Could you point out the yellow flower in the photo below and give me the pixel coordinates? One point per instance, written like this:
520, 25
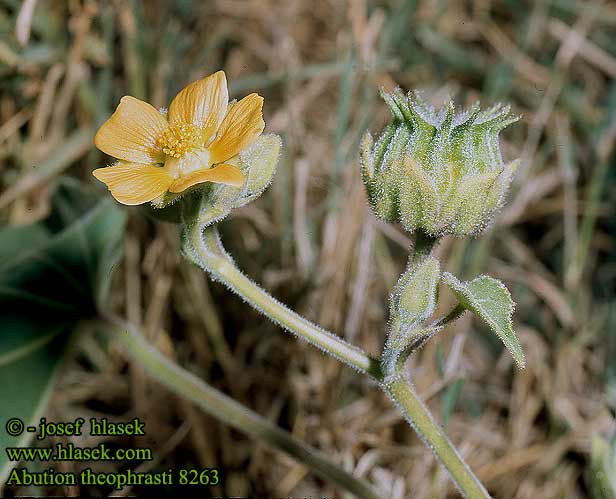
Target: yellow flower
191, 144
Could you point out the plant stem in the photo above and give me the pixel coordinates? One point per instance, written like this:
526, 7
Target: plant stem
208, 253
452, 316
418, 416
230, 412
203, 246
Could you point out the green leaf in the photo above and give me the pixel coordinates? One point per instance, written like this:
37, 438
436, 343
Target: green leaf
489, 299
52, 275
16, 238
28, 375
65, 262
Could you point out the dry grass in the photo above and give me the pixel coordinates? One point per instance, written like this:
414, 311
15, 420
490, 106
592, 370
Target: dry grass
312, 242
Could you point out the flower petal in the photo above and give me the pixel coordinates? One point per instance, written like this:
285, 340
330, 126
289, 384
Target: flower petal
219, 174
130, 133
203, 103
242, 124
132, 183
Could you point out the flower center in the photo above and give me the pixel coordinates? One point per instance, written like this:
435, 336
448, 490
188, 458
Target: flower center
179, 139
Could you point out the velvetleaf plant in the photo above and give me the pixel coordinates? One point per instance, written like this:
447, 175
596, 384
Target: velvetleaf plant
436, 172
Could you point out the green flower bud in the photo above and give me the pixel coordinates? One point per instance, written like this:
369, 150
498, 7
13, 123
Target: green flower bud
412, 302
214, 202
258, 162
435, 170
414, 299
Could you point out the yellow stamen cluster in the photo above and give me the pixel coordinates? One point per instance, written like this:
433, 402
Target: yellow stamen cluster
179, 139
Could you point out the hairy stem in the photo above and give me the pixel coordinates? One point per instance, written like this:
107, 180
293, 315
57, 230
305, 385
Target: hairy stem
206, 250
203, 247
403, 394
230, 412
452, 316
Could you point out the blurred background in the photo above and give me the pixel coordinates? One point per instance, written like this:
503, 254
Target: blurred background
313, 243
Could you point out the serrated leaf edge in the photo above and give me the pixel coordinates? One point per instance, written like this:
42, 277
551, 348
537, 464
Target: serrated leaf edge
462, 287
